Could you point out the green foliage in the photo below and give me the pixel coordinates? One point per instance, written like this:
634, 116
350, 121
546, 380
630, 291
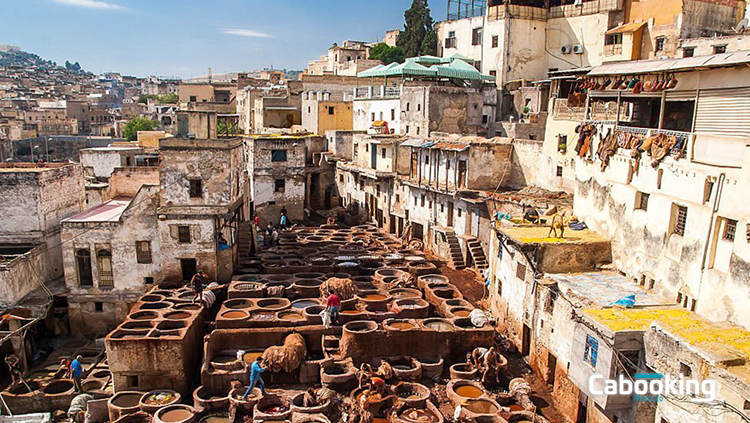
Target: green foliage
387, 54
73, 67
170, 98
138, 124
418, 36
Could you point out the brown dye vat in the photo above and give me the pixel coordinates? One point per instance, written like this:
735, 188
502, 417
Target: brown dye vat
374, 297
380, 420
468, 391
482, 407
191, 307
351, 312
58, 387
515, 407
234, 315
173, 416
127, 400
461, 313
401, 325
292, 317
179, 315
251, 356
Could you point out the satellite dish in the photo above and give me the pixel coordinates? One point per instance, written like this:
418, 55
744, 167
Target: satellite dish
742, 26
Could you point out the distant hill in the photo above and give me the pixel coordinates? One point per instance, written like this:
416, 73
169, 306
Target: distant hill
25, 59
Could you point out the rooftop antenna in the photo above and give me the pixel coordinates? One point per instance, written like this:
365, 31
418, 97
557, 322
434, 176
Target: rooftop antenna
742, 26
210, 77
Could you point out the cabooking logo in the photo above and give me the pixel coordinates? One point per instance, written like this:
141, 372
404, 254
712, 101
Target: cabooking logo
654, 387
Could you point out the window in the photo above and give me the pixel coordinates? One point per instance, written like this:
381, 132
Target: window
382, 152
562, 143
476, 36
341, 178
419, 107
331, 110
361, 184
407, 129
372, 116
398, 198
549, 305
196, 188
367, 147
278, 155
485, 119
720, 49
183, 234
688, 51
393, 114
98, 307
148, 280
279, 185
493, 73
641, 201
730, 228
106, 277
679, 218
417, 130
521, 271
659, 44
746, 406
685, 370
459, 212
591, 351
143, 252
377, 189
407, 106
452, 34
422, 202
450, 42
193, 98
83, 259
559, 171
495, 40
132, 381
708, 187
426, 160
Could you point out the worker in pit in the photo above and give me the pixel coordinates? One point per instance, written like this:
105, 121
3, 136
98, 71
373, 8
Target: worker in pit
197, 284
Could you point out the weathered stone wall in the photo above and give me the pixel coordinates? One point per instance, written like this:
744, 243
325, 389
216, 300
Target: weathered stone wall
103, 161
441, 109
138, 223
490, 165
128, 180
24, 274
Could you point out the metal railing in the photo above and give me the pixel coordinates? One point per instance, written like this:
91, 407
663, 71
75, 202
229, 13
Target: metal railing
377, 92
585, 8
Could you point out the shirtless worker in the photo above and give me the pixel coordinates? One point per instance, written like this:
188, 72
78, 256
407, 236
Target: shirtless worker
491, 366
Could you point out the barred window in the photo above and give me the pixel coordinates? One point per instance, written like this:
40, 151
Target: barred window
730, 228
592, 350
143, 252
521, 271
183, 234
680, 220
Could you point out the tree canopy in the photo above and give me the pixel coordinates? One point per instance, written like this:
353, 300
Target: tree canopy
138, 124
387, 54
418, 37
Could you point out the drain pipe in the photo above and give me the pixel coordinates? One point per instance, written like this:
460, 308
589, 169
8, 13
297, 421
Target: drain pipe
714, 210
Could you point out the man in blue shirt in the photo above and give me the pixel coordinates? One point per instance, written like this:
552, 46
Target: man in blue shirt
255, 371
76, 372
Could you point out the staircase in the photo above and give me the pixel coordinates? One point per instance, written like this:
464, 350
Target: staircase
457, 256
476, 253
244, 240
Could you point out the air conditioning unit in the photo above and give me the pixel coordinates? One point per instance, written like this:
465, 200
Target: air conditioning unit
565, 49
578, 49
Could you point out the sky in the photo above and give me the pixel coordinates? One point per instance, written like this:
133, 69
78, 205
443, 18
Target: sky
184, 37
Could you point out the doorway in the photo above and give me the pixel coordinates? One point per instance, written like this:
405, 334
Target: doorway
189, 268
551, 367
450, 214
582, 414
526, 340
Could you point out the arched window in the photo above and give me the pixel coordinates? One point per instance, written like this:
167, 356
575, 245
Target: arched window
83, 260
106, 277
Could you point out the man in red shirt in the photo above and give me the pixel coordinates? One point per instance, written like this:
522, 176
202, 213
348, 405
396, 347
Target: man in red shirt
333, 304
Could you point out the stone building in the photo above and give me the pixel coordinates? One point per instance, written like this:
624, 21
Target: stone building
283, 172
161, 226
37, 197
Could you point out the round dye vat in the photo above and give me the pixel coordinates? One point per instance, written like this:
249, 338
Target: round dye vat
468, 391
127, 400
461, 313
178, 315
234, 315
440, 326
482, 407
418, 415
380, 420
304, 303
401, 325
351, 312
374, 297
292, 317
176, 415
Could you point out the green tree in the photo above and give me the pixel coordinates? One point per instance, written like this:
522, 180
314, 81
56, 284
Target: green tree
171, 98
416, 38
138, 124
387, 54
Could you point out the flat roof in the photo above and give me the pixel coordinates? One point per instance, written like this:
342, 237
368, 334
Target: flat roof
673, 65
30, 167
602, 288
537, 234
109, 211
721, 342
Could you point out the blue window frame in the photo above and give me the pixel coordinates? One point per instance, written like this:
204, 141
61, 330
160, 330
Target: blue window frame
591, 351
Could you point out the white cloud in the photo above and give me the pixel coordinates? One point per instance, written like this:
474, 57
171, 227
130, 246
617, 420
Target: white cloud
90, 4
245, 33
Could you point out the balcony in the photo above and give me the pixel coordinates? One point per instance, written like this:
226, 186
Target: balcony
613, 50
561, 111
379, 92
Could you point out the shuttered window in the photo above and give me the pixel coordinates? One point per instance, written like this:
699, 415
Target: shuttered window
724, 112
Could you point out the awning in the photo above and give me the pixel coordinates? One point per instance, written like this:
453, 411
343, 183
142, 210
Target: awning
379, 123
672, 65
626, 28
